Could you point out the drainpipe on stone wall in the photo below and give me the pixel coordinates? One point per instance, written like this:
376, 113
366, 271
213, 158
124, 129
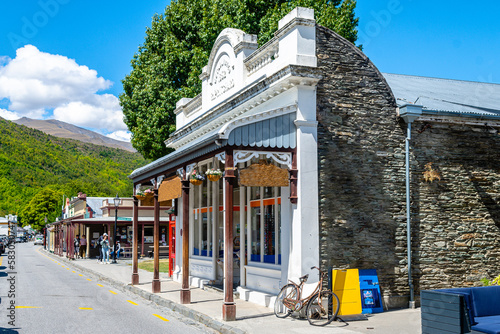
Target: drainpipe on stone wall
409, 113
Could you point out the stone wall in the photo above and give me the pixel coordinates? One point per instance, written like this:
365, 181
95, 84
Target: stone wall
456, 219
361, 164
361, 152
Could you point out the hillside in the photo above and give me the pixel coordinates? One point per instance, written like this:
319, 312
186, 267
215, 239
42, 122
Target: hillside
69, 131
32, 161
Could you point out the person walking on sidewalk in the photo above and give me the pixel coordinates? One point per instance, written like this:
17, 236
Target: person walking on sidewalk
105, 249
99, 248
83, 246
76, 243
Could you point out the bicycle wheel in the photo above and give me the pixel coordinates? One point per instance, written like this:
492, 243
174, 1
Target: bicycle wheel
322, 308
286, 301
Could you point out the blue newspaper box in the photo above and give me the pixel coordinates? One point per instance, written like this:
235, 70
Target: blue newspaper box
371, 301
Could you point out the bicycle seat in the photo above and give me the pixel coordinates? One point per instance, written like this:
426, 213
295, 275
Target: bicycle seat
304, 278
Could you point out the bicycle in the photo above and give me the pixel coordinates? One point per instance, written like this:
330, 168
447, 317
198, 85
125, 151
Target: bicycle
322, 305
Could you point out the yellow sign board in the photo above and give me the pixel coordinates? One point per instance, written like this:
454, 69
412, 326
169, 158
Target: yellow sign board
345, 284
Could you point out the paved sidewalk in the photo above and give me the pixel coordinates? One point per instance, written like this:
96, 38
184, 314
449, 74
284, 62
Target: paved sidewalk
206, 306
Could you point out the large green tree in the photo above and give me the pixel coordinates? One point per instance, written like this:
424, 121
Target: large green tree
178, 44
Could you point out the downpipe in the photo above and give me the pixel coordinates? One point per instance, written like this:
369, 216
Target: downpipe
408, 218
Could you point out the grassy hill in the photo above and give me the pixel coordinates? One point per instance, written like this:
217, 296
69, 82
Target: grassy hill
34, 165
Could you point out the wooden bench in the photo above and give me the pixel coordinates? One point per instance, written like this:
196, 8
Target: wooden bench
163, 251
126, 252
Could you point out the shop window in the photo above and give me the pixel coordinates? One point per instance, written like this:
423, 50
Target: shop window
202, 214
265, 225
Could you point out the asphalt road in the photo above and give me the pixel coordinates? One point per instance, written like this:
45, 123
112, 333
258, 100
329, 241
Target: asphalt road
40, 295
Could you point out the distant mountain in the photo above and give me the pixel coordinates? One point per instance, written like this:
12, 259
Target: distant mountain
33, 163
65, 130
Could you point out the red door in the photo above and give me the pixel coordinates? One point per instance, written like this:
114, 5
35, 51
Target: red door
171, 245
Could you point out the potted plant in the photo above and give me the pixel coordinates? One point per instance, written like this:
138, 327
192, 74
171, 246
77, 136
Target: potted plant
196, 178
142, 194
214, 174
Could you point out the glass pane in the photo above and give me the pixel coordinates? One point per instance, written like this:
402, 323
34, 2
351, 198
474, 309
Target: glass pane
221, 234
255, 234
210, 221
236, 196
269, 234
204, 235
268, 192
254, 193
196, 234
195, 190
221, 192
204, 191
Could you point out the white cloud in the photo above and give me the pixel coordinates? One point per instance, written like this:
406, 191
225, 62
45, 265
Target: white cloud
8, 115
120, 135
97, 112
4, 60
37, 83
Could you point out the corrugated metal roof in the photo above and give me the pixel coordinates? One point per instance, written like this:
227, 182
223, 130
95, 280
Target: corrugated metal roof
452, 96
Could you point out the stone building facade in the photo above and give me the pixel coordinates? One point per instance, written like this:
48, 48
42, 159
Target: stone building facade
311, 102
455, 219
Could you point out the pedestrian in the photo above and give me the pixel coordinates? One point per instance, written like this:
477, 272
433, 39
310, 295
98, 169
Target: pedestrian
118, 250
83, 246
99, 248
105, 249
76, 243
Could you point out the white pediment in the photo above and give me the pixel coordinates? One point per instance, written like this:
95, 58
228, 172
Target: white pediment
222, 78
225, 72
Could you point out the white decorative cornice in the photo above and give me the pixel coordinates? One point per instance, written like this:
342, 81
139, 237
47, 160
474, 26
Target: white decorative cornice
187, 105
278, 83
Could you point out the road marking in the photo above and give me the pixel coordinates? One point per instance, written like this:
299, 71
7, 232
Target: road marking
1, 260
100, 285
18, 306
112, 292
160, 317
133, 303
85, 308
80, 275
73, 271
88, 279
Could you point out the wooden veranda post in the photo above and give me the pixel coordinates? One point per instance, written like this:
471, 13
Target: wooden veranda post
156, 245
185, 292
229, 307
135, 249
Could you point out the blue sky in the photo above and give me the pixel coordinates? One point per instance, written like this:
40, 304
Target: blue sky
95, 41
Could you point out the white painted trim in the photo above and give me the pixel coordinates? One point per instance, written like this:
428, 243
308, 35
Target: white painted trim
282, 158
221, 157
302, 123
